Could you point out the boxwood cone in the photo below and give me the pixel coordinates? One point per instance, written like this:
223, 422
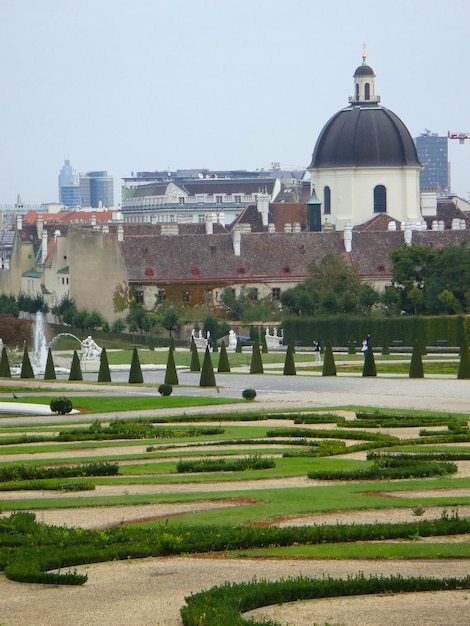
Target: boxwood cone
49, 372
5, 371
224, 365
369, 368
464, 365
207, 378
26, 367
256, 366
104, 374
195, 363
329, 365
416, 363
289, 363
135, 373
75, 368
171, 376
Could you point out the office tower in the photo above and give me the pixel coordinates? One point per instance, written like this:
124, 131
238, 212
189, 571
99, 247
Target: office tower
69, 188
433, 154
97, 189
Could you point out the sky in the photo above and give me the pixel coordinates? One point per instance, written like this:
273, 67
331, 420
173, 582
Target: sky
220, 84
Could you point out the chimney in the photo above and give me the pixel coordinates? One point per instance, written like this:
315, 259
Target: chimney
19, 222
392, 226
209, 224
347, 237
287, 227
120, 232
408, 233
153, 219
39, 226
93, 220
237, 242
44, 247
271, 228
262, 204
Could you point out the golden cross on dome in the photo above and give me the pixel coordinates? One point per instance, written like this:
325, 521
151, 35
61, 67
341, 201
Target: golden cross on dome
364, 53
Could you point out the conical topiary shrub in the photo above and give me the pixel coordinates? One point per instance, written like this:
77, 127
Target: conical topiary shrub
26, 367
464, 365
171, 376
264, 344
369, 368
352, 347
49, 372
195, 363
172, 344
289, 363
224, 365
75, 369
5, 371
329, 365
135, 373
104, 374
416, 363
239, 345
256, 366
207, 378
215, 345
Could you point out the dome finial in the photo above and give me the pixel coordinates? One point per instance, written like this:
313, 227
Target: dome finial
364, 54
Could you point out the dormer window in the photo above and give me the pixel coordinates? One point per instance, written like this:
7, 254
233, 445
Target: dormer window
381, 267
240, 269
286, 269
195, 272
148, 272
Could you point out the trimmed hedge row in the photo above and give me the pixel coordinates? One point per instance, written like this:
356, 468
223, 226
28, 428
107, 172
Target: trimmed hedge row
47, 548
35, 472
224, 605
253, 462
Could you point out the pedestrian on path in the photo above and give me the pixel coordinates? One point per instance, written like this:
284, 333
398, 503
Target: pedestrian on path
317, 350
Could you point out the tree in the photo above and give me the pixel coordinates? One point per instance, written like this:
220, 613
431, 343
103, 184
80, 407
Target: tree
94, 320
118, 326
207, 378
75, 369
289, 363
31, 304
26, 367
333, 287
80, 319
224, 364
329, 365
246, 306
169, 316
104, 374
135, 372
66, 309
8, 305
195, 364
171, 376
416, 363
49, 372
256, 366
218, 328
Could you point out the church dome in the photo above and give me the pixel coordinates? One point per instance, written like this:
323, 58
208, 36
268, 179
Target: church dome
364, 135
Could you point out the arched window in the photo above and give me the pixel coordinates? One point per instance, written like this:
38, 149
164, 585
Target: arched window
357, 91
380, 199
367, 91
327, 200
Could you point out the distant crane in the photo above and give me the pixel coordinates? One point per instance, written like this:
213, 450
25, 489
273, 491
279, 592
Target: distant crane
460, 136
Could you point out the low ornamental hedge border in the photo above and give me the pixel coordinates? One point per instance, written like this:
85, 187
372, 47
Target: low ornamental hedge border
253, 462
224, 605
386, 468
29, 549
36, 472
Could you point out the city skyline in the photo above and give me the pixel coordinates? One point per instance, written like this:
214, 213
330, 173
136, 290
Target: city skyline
217, 85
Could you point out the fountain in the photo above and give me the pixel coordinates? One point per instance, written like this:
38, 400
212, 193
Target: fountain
90, 351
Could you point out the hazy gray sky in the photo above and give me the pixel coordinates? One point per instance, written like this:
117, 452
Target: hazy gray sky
138, 85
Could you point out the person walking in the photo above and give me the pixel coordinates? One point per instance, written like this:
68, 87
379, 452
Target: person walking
317, 350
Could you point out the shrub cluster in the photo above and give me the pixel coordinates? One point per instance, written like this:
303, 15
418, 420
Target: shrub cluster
253, 462
62, 405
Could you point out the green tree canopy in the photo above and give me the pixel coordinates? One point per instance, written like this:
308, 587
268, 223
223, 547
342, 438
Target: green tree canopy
333, 287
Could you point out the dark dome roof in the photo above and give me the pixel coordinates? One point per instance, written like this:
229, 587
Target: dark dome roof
364, 70
364, 136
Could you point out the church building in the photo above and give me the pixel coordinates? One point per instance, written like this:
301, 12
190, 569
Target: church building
364, 163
